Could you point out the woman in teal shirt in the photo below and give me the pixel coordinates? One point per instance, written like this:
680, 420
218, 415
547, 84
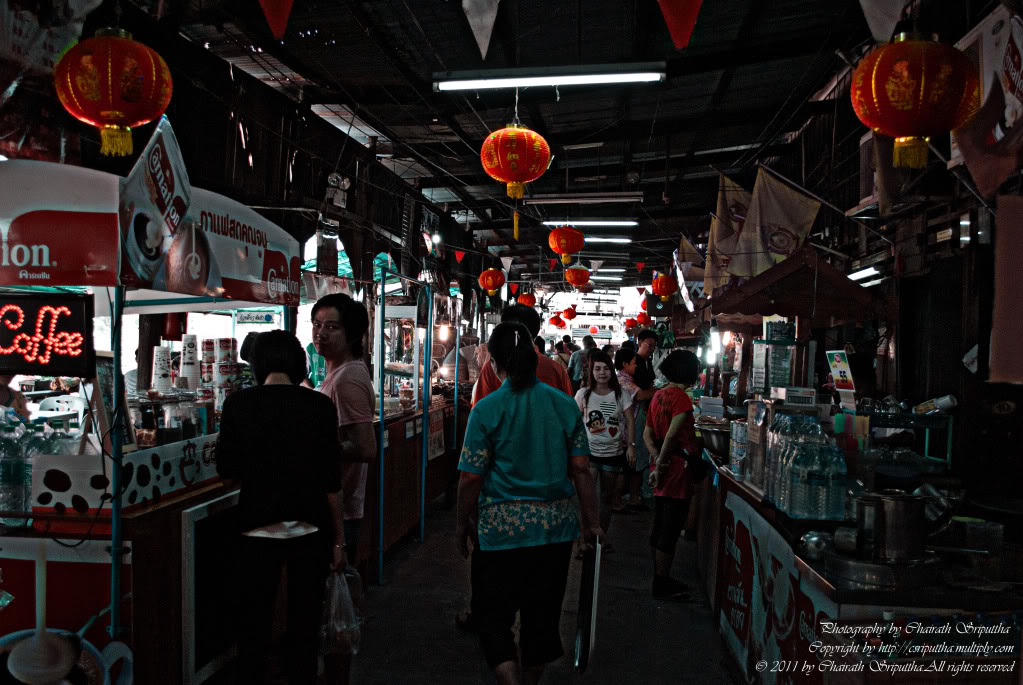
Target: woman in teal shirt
525, 455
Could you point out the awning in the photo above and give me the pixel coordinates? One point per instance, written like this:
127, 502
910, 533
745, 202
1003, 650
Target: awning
802, 285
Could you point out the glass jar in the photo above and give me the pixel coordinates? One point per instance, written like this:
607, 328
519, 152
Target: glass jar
189, 416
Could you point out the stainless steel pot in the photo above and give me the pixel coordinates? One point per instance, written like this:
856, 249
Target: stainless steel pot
892, 526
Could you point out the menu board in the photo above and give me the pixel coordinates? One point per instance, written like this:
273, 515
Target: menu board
46, 334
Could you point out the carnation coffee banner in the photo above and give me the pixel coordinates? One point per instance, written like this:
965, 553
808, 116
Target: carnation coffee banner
65, 225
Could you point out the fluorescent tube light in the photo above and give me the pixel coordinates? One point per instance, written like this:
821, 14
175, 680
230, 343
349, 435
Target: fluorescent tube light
869, 271
607, 240
583, 75
582, 146
605, 278
592, 222
583, 198
602, 270
870, 283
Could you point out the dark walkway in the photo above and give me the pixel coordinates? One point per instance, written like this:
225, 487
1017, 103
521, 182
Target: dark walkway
411, 637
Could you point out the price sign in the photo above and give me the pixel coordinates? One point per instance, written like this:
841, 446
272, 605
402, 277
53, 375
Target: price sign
46, 335
256, 317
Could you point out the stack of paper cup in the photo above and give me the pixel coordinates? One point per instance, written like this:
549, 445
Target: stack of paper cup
161, 368
206, 374
209, 351
190, 368
225, 350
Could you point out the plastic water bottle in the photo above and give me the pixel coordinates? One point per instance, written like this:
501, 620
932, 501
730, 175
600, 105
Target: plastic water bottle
60, 442
777, 438
837, 473
12, 477
799, 477
32, 443
787, 456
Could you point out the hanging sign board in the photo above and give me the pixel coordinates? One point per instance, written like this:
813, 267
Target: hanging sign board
840, 371
46, 335
187, 240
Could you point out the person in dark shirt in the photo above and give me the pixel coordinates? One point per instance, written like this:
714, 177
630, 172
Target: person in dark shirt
279, 440
644, 375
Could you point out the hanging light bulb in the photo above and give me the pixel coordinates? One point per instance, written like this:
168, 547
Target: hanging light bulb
422, 334
436, 238
444, 332
715, 339
726, 338
699, 351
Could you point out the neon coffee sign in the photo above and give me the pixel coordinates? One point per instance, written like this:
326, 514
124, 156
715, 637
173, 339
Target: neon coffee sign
44, 334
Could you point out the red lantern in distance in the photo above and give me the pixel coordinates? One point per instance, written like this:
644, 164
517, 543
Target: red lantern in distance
642, 305
528, 299
568, 314
664, 286
630, 323
643, 319
491, 280
566, 241
556, 321
594, 330
577, 276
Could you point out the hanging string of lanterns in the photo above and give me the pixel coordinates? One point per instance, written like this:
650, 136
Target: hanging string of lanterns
569, 314
912, 89
515, 155
491, 280
643, 319
556, 321
115, 84
630, 323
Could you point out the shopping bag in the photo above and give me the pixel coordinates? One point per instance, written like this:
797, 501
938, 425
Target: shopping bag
339, 629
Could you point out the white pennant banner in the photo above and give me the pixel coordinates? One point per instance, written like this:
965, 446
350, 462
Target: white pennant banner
507, 262
481, 15
595, 265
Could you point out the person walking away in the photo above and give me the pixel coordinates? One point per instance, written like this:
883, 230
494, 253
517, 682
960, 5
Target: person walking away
525, 448
610, 423
547, 370
577, 362
670, 435
636, 476
278, 440
561, 355
339, 325
645, 377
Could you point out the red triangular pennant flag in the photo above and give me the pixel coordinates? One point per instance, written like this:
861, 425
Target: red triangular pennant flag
276, 13
680, 16
514, 287
459, 255
641, 291
640, 266
553, 262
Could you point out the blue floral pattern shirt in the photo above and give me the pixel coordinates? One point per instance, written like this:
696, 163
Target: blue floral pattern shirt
521, 443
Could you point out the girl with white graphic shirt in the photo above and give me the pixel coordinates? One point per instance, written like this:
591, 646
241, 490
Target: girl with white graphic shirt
610, 423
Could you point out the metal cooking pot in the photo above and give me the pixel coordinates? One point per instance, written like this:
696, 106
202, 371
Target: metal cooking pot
892, 526
716, 438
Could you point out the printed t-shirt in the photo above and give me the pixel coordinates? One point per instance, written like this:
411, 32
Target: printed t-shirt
604, 418
547, 370
351, 389
521, 443
666, 404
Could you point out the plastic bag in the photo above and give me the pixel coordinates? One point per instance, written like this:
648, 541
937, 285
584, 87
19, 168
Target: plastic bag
339, 629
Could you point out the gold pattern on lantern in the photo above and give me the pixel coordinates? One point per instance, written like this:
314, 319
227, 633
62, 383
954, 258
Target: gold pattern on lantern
900, 87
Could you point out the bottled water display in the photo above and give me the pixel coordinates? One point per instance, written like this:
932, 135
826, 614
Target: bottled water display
806, 473
60, 442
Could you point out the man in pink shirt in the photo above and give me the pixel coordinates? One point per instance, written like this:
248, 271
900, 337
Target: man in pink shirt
547, 370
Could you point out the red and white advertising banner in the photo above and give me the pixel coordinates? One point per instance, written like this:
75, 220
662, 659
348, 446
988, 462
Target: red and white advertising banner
186, 240
768, 613
61, 225
58, 225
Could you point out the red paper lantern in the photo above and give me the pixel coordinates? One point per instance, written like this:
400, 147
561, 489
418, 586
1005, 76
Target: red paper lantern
913, 89
565, 241
569, 313
594, 330
556, 321
665, 286
515, 155
643, 319
114, 83
577, 276
630, 323
528, 299
642, 304
491, 280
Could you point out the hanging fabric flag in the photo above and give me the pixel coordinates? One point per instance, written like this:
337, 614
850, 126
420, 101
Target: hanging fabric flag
514, 287
640, 266
595, 265
553, 262
989, 163
459, 255
688, 253
506, 262
680, 16
481, 15
778, 221
276, 13
641, 291
882, 16
725, 227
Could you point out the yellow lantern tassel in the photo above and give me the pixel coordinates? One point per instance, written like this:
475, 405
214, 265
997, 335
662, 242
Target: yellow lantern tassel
910, 153
515, 224
516, 190
115, 141
566, 259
